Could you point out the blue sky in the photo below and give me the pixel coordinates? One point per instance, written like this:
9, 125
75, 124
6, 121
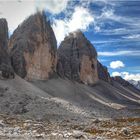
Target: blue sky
112, 26
114, 32
119, 35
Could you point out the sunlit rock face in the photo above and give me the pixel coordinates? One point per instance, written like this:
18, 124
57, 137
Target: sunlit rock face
33, 48
103, 73
6, 70
77, 59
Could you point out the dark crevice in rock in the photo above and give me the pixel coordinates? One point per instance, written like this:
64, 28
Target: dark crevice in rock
5, 62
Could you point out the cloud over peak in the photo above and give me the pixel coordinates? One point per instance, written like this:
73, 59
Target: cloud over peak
15, 11
116, 64
52, 6
81, 18
127, 75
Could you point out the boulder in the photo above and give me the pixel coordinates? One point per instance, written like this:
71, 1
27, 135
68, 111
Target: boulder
77, 59
6, 71
33, 48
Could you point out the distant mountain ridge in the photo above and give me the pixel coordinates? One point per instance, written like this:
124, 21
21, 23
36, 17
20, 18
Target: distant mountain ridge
135, 83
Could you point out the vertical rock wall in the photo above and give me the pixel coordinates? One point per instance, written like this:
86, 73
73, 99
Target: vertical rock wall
77, 59
33, 48
6, 70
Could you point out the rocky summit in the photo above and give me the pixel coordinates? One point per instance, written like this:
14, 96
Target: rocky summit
77, 59
5, 62
33, 48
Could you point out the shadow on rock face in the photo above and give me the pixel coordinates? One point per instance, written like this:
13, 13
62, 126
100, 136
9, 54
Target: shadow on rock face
6, 70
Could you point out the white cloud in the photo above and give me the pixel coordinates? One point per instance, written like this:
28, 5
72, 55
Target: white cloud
107, 14
15, 11
116, 74
53, 6
116, 64
97, 28
124, 73
80, 19
127, 75
119, 53
105, 41
136, 36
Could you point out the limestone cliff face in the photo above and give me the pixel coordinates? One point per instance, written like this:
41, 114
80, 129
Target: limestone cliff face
5, 62
77, 59
103, 73
33, 48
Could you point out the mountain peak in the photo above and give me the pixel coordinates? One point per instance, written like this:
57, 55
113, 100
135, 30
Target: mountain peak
76, 34
77, 59
33, 48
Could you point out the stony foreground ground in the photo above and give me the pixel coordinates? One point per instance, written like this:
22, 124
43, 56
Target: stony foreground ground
123, 128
